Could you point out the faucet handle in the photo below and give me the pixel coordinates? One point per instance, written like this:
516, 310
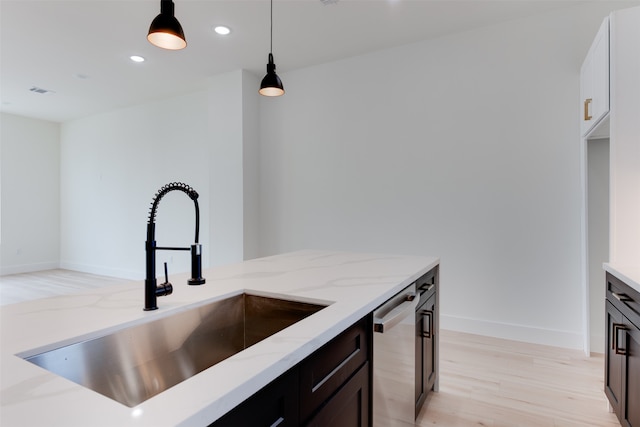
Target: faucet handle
165, 288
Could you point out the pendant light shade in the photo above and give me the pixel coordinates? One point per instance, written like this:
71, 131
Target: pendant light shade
271, 84
165, 30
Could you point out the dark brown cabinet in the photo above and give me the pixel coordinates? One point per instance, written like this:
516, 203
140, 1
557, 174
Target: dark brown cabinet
622, 356
425, 357
274, 405
332, 386
613, 360
350, 405
426, 338
332, 366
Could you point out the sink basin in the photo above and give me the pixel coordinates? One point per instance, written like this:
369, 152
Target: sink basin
135, 363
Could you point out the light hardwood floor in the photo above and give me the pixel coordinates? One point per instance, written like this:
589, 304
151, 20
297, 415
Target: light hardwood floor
492, 382
483, 381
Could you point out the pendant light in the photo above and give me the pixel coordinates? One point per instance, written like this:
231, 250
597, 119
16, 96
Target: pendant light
165, 30
271, 84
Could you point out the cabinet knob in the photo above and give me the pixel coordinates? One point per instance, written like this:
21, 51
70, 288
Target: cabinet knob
587, 117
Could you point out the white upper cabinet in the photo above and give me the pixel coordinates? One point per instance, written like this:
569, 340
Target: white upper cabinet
594, 80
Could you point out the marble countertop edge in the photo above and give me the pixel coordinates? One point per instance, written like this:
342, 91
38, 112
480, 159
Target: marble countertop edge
630, 274
355, 284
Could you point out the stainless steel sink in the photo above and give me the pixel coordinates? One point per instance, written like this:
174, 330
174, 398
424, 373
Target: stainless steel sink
138, 362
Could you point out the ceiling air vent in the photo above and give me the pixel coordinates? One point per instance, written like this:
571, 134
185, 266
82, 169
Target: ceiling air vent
36, 89
325, 2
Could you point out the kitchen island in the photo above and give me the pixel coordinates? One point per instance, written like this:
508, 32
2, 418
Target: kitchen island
352, 285
622, 352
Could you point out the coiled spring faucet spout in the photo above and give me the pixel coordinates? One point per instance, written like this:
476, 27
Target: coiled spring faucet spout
151, 289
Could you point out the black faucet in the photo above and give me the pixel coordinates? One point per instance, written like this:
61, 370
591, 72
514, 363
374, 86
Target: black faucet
151, 289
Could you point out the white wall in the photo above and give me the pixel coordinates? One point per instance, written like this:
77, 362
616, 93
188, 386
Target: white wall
465, 147
251, 165
77, 195
232, 127
29, 174
112, 166
597, 236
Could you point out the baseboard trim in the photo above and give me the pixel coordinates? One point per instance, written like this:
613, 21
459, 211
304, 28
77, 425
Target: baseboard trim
28, 268
510, 331
597, 343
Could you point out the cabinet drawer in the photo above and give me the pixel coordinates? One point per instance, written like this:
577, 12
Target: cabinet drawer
349, 407
624, 298
427, 284
275, 404
332, 365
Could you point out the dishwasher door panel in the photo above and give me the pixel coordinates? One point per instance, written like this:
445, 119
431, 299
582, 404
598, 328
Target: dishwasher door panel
394, 363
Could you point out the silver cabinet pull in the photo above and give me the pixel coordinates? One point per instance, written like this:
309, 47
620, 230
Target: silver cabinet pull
395, 315
620, 297
279, 421
427, 288
617, 327
428, 313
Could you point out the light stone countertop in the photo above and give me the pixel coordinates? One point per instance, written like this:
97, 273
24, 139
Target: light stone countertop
630, 274
354, 283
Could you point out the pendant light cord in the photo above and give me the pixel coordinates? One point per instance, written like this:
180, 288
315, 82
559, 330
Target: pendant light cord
271, 45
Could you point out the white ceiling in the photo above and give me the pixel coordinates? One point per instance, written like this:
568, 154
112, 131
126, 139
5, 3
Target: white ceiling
49, 43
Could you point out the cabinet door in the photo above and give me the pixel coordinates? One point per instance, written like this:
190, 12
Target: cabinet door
349, 407
613, 360
631, 376
325, 371
594, 80
274, 405
425, 351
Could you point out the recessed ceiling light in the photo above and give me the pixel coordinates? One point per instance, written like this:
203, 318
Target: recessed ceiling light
136, 58
222, 30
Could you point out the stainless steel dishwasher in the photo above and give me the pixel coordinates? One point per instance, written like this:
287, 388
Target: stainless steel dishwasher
394, 359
